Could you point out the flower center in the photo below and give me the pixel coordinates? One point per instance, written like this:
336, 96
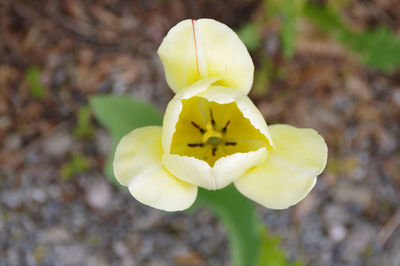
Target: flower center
208, 131
211, 136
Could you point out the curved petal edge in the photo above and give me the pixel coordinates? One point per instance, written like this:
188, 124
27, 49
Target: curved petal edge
195, 49
290, 171
137, 164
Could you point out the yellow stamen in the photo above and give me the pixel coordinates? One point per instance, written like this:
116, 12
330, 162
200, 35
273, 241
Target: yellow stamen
212, 136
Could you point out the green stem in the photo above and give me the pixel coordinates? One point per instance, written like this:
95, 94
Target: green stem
241, 221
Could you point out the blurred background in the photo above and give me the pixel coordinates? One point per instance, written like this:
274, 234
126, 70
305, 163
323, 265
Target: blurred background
330, 65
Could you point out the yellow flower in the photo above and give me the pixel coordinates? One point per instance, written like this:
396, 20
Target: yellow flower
212, 133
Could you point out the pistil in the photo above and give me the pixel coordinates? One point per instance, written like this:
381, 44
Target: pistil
211, 136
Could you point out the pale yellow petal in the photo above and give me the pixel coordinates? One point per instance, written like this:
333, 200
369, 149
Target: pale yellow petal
190, 169
225, 171
303, 147
228, 169
157, 188
178, 55
194, 49
196, 88
276, 184
137, 164
290, 170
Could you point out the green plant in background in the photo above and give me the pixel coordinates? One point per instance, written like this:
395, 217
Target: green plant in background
271, 253
32, 77
288, 11
378, 48
84, 127
249, 34
77, 164
338, 4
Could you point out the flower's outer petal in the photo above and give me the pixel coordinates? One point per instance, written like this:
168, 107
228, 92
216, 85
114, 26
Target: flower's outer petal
190, 169
303, 147
174, 108
178, 55
137, 164
194, 49
223, 95
290, 170
224, 55
228, 169
196, 88
276, 184
225, 171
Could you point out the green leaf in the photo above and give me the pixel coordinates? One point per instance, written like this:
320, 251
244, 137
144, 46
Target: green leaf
84, 128
271, 252
288, 32
76, 164
288, 11
262, 77
325, 18
120, 115
241, 221
32, 77
378, 48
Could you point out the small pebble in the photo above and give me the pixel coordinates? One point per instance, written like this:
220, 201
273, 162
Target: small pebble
337, 232
13, 198
38, 195
71, 255
98, 194
57, 145
54, 235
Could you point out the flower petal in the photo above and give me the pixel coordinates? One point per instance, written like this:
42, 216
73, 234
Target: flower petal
290, 171
196, 88
228, 169
189, 169
194, 49
225, 171
137, 164
303, 147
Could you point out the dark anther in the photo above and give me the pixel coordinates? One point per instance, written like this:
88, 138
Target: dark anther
228, 143
226, 126
214, 150
195, 145
202, 131
212, 118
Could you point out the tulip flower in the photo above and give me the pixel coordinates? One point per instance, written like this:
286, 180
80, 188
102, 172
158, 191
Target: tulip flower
212, 133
